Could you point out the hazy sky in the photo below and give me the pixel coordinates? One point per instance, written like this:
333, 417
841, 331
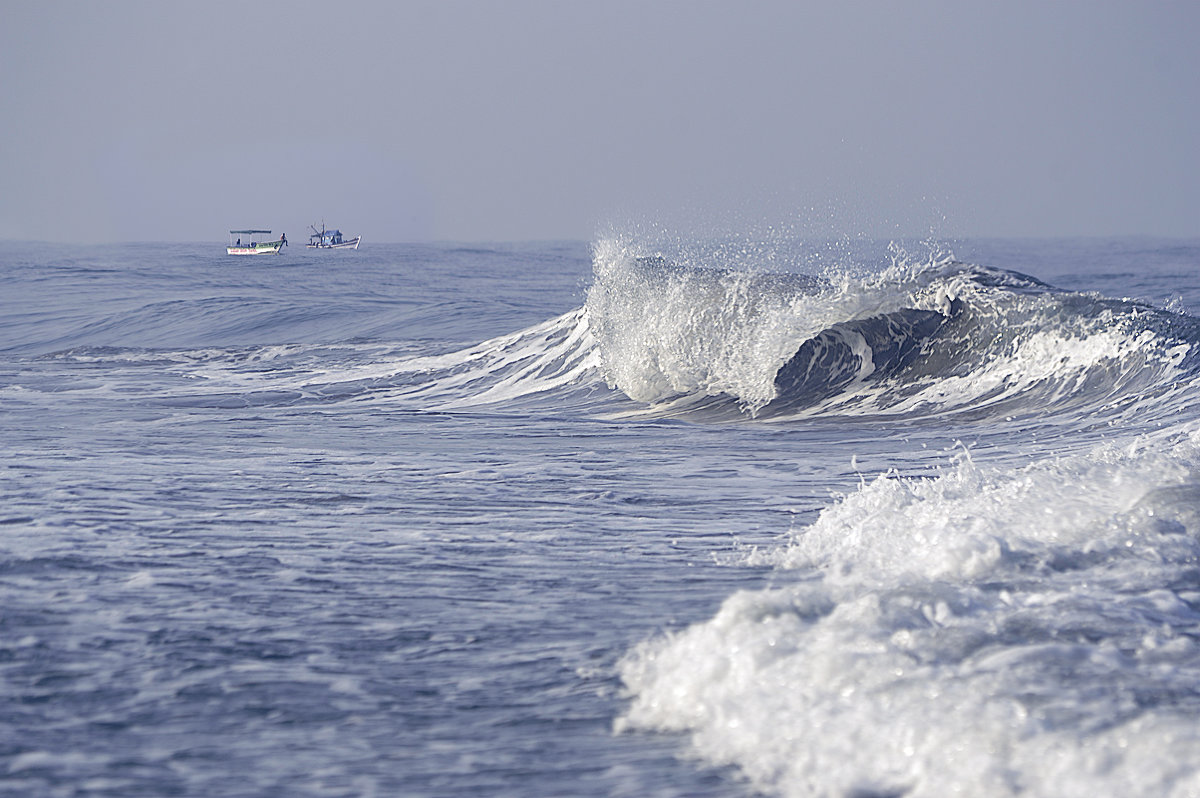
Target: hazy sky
529, 119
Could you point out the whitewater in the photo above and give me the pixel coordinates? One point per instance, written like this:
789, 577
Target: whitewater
644, 516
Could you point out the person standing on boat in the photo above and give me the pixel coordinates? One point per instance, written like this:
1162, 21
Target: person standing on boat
283, 238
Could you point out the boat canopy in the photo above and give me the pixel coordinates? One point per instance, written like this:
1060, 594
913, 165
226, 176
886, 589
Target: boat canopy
324, 236
248, 232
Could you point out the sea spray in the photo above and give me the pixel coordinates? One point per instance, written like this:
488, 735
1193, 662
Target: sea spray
666, 329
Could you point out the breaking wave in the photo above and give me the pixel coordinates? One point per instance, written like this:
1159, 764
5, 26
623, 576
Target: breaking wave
915, 339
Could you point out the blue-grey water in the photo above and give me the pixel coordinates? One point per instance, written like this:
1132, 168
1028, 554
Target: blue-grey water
612, 518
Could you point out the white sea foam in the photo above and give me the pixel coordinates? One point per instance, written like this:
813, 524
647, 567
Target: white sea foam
986, 632
665, 332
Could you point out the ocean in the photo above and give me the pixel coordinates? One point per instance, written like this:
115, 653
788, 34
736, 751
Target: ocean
640, 516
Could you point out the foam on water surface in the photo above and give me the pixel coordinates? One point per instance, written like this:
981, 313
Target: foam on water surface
986, 632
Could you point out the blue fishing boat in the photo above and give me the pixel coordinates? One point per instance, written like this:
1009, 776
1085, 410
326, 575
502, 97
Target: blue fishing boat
330, 239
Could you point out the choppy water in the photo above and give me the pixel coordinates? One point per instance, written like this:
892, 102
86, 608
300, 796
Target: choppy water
645, 518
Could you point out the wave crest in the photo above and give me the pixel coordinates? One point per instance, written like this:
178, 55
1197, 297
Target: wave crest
917, 338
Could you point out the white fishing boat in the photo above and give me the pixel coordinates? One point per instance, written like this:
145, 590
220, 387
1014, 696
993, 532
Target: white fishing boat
330, 239
246, 243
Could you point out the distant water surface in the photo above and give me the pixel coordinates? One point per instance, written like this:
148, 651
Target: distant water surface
611, 518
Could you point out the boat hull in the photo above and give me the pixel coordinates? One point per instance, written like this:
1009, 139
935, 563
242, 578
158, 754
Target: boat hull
351, 244
261, 248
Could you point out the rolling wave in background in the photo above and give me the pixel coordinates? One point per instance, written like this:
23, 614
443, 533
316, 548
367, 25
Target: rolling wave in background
918, 340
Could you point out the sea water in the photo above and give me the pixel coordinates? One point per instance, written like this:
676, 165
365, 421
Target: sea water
639, 517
